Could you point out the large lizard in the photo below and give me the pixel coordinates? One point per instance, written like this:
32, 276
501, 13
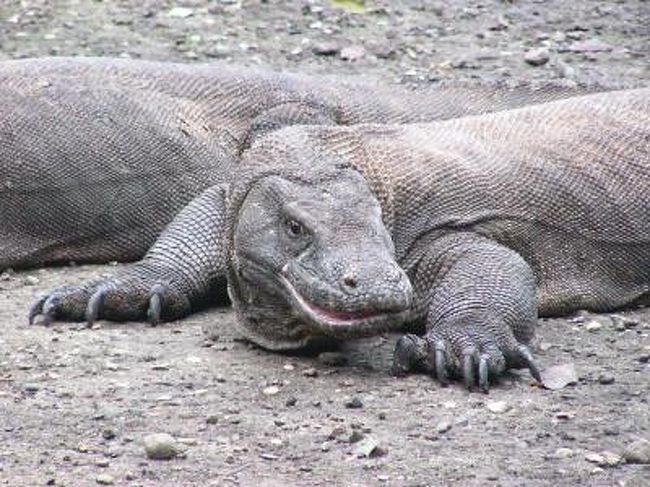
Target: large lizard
468, 226
98, 155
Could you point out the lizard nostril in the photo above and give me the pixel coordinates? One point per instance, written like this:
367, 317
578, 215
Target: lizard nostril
350, 281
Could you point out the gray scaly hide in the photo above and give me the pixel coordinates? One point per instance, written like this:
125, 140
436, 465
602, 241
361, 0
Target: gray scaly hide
98, 155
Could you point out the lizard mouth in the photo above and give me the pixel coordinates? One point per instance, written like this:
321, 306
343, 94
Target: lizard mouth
357, 323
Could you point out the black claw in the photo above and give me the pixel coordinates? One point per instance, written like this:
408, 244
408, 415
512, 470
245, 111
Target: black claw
483, 374
440, 361
408, 355
530, 363
155, 306
36, 309
468, 370
95, 304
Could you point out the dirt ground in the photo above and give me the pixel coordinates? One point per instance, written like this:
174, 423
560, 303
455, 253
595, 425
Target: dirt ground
76, 404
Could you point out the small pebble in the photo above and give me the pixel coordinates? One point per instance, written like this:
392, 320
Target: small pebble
497, 407
326, 49
102, 462
369, 448
354, 403
270, 390
606, 379
32, 281
593, 326
355, 436
564, 453
104, 479
638, 452
160, 446
214, 419
291, 401
537, 57
443, 426
310, 372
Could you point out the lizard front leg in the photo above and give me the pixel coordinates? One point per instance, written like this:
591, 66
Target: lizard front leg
184, 268
481, 312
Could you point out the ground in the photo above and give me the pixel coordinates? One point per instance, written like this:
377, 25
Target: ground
76, 404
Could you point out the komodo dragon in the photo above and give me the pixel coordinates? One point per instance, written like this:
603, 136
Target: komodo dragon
188, 264
98, 155
469, 228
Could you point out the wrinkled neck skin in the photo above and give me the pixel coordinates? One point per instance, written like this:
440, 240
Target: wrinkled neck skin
311, 259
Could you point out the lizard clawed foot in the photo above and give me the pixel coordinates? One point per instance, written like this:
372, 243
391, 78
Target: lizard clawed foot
471, 354
112, 299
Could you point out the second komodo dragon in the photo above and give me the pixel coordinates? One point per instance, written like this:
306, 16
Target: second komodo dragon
468, 228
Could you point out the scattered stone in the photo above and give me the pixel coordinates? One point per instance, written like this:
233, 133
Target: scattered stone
352, 53
537, 57
565, 415
291, 401
559, 376
270, 390
214, 419
332, 358
289, 367
336, 432
326, 49
180, 12
310, 372
31, 388
160, 446
589, 46
355, 436
443, 426
104, 479
606, 379
605, 459
593, 326
354, 403
564, 453
32, 281
369, 448
638, 452
497, 407
103, 462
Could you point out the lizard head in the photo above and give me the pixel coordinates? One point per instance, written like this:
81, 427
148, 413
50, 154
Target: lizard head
311, 257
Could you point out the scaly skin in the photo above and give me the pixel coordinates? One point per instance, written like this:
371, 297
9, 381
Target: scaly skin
97, 156
444, 226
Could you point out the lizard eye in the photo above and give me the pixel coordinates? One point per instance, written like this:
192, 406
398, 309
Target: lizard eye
294, 228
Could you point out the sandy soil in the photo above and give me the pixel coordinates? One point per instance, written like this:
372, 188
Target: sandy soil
76, 404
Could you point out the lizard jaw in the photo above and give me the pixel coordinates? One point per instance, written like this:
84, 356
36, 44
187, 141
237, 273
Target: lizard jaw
342, 323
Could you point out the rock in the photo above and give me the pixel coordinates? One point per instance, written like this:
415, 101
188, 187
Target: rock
332, 358
604, 459
214, 419
180, 12
104, 479
355, 436
564, 453
103, 463
31, 388
291, 401
606, 379
369, 448
537, 57
270, 390
352, 53
443, 426
32, 281
559, 376
310, 372
326, 49
497, 407
160, 446
589, 46
638, 452
336, 432
354, 403
593, 326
